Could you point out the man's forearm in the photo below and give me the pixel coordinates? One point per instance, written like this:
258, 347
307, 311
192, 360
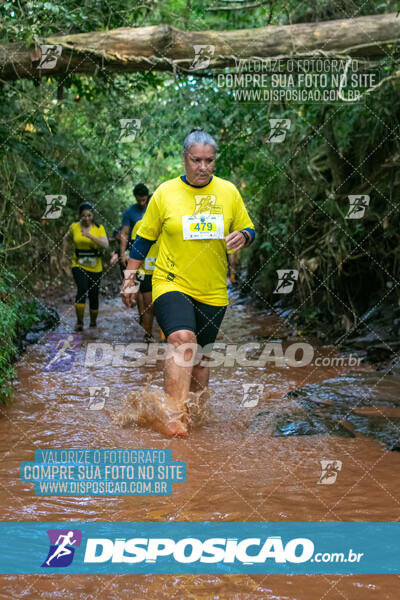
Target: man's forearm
102, 242
133, 264
124, 240
123, 246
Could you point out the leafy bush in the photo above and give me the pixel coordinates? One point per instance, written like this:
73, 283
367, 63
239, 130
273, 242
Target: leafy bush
17, 315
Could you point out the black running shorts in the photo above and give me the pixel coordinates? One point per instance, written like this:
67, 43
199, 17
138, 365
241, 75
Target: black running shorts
145, 284
175, 311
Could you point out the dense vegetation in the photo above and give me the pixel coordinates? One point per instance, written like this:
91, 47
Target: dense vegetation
19, 314
61, 137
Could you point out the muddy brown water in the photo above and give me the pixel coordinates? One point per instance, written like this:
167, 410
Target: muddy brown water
234, 473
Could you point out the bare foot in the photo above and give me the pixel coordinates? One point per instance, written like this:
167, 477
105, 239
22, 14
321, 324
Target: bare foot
175, 426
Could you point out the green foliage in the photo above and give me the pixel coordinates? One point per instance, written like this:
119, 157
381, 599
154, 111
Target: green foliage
26, 20
23, 20
17, 315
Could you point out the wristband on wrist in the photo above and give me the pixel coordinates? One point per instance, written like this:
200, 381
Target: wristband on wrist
246, 237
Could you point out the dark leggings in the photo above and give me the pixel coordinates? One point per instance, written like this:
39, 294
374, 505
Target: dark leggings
88, 284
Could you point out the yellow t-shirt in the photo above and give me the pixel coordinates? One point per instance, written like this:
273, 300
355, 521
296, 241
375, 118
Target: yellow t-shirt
196, 267
150, 261
89, 263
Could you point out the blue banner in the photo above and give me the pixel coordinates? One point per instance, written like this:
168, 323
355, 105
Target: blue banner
194, 548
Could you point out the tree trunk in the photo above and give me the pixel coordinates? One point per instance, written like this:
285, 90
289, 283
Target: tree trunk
165, 48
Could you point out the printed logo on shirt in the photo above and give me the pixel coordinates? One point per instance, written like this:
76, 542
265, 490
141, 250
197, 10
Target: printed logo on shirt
204, 204
170, 262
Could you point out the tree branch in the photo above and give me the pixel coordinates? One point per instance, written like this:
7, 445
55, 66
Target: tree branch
165, 48
243, 7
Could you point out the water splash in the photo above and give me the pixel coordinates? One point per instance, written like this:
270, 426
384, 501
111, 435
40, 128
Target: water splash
151, 407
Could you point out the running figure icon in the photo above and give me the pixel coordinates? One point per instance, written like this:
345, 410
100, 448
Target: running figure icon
287, 279
329, 471
62, 549
63, 349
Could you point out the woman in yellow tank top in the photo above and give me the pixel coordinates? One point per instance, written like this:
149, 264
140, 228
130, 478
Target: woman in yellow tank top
87, 267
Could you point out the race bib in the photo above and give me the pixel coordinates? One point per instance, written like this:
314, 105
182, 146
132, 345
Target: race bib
150, 263
87, 261
200, 227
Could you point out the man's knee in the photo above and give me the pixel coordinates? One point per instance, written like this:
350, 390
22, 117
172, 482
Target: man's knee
183, 336
184, 345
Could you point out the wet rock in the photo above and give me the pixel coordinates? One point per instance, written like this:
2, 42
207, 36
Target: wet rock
377, 334
32, 338
48, 316
312, 424
356, 404
362, 341
49, 319
391, 368
383, 352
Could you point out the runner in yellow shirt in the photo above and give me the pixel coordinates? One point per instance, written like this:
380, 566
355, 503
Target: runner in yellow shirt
87, 267
197, 218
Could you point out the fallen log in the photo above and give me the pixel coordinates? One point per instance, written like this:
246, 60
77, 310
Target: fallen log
165, 48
